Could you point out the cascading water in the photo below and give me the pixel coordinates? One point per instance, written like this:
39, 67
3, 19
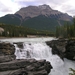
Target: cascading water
42, 51
37, 48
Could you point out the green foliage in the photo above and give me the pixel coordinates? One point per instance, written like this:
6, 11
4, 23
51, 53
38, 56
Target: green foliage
21, 31
10, 20
43, 23
73, 72
40, 22
66, 31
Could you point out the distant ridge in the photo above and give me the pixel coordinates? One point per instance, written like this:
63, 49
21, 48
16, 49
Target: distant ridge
41, 17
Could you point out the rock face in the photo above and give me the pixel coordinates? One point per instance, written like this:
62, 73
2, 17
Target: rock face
6, 49
70, 50
6, 58
33, 11
11, 66
19, 44
63, 48
58, 47
26, 67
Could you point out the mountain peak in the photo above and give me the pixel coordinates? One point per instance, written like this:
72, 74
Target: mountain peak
46, 10
44, 6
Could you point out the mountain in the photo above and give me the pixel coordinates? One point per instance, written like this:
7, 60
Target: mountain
41, 17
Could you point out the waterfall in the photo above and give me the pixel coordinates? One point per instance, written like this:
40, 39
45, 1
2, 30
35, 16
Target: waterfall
37, 51
37, 48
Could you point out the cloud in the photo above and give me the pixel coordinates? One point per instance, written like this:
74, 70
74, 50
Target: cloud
68, 7
11, 6
8, 7
4, 9
24, 3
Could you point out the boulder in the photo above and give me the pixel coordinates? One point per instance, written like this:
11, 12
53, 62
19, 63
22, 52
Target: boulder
26, 66
63, 48
6, 58
6, 48
19, 44
58, 47
70, 50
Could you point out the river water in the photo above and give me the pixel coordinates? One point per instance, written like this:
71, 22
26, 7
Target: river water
38, 49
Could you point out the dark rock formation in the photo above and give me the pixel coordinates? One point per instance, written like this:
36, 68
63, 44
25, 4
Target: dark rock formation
58, 47
11, 66
70, 50
26, 67
63, 48
7, 48
6, 58
19, 44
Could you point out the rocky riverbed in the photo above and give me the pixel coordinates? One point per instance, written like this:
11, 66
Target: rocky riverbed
9, 65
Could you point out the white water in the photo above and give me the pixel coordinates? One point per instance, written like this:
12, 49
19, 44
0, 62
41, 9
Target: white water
37, 48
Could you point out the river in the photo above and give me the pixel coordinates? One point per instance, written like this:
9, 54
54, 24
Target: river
38, 49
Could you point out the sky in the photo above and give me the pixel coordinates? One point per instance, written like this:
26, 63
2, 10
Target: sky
12, 6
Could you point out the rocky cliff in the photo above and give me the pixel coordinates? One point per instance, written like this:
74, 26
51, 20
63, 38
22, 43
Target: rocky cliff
63, 47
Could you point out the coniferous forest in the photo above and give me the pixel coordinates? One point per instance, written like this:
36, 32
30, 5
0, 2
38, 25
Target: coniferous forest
66, 31
21, 31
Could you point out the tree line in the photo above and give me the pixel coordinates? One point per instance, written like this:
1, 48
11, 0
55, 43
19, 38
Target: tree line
21, 31
66, 31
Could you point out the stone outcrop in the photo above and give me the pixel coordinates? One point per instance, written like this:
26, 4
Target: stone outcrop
70, 50
26, 67
19, 44
6, 58
58, 47
7, 48
11, 66
63, 48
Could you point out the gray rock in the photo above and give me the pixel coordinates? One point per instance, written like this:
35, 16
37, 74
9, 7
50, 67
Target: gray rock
19, 44
70, 50
25, 67
63, 48
58, 47
6, 58
6, 48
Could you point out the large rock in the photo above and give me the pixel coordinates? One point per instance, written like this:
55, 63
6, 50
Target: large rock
63, 48
6, 58
19, 44
70, 50
6, 48
58, 47
26, 67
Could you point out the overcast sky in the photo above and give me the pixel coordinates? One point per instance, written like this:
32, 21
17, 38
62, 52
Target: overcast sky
11, 6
